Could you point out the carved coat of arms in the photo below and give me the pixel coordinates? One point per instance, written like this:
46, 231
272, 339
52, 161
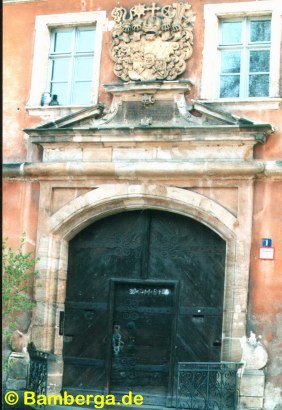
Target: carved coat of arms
151, 42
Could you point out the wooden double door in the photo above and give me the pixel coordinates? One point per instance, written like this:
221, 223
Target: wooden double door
144, 292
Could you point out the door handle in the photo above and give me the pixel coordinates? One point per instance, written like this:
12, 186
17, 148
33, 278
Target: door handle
117, 341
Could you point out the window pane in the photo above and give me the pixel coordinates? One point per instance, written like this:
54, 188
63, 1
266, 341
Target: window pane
62, 41
259, 85
259, 60
231, 32
229, 86
60, 69
83, 68
230, 61
85, 40
260, 30
71, 75
61, 90
82, 92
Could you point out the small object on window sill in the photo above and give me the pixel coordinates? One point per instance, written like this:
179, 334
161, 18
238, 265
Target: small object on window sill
46, 99
54, 100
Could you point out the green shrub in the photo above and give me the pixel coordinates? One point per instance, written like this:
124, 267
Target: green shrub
18, 271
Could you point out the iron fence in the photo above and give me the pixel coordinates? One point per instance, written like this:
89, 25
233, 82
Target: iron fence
38, 370
207, 386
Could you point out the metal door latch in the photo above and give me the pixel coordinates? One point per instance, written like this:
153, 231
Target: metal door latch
117, 340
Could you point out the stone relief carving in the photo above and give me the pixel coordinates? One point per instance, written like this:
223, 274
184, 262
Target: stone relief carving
254, 354
147, 99
151, 42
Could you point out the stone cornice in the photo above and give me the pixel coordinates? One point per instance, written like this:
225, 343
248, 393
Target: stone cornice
144, 133
220, 169
273, 169
149, 108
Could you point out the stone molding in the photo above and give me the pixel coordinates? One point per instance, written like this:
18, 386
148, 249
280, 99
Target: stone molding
225, 169
205, 209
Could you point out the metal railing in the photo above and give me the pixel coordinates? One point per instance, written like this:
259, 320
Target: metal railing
38, 371
207, 386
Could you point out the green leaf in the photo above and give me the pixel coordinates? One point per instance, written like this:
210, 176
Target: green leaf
18, 272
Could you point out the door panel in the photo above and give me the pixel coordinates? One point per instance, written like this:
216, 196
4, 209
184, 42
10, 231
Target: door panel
85, 347
142, 339
118, 268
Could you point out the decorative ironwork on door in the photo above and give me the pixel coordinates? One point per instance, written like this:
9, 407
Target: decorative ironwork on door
142, 287
207, 386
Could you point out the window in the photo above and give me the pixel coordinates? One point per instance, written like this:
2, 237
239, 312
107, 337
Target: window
241, 57
244, 57
66, 61
71, 64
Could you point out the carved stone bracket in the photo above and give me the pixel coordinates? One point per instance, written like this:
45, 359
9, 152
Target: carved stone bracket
148, 99
151, 42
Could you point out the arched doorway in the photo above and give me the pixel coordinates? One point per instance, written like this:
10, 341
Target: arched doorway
144, 291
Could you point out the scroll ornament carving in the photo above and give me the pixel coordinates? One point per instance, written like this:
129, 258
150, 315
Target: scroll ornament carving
150, 42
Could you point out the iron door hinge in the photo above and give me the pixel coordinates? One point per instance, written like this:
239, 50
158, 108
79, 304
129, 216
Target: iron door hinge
61, 323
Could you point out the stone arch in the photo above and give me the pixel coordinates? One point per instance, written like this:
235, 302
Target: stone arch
110, 199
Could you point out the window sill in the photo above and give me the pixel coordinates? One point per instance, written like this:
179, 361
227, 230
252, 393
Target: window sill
246, 104
54, 112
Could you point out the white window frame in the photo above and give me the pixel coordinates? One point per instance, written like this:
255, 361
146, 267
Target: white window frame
43, 27
213, 13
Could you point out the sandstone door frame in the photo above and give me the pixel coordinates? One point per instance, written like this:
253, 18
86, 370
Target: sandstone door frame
55, 231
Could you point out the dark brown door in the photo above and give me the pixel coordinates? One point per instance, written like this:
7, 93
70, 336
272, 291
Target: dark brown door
144, 291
